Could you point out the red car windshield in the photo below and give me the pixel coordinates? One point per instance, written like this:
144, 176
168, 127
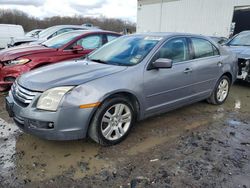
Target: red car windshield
60, 40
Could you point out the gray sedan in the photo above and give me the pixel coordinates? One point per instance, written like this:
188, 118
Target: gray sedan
128, 79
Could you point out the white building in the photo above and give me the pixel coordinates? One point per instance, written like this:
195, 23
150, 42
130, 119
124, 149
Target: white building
207, 17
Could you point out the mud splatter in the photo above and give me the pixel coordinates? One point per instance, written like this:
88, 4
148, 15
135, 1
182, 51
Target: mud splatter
199, 145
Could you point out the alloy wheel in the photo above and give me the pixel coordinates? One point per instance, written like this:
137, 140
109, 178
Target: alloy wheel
116, 121
222, 90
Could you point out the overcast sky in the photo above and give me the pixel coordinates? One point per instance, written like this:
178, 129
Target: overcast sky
125, 9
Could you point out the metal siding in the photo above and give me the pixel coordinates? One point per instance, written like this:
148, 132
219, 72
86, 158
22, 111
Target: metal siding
149, 17
207, 17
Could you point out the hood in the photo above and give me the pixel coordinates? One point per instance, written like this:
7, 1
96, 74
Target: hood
69, 73
38, 41
19, 51
241, 51
24, 39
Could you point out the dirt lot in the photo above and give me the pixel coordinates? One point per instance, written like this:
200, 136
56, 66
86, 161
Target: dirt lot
197, 146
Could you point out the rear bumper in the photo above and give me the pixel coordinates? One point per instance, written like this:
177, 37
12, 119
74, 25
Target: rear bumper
68, 123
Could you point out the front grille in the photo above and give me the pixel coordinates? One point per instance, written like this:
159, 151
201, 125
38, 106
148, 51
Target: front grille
23, 95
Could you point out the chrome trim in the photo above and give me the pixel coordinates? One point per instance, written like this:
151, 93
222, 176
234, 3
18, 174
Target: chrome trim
22, 94
19, 120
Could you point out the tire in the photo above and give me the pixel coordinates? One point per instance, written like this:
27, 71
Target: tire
112, 121
221, 91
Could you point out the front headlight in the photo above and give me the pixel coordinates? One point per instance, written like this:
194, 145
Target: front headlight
51, 98
17, 62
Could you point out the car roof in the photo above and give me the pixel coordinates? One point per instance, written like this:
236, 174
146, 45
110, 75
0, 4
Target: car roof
169, 34
70, 26
247, 31
84, 32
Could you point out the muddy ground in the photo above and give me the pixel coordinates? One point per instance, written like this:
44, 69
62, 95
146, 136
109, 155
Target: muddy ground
200, 145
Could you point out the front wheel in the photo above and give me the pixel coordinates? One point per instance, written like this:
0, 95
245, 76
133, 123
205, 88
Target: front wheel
112, 121
220, 92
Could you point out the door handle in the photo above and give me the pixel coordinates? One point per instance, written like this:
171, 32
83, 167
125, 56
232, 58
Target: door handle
187, 70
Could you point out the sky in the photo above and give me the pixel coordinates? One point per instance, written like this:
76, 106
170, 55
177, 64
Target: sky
124, 9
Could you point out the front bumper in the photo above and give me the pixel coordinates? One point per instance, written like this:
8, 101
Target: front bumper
8, 74
68, 123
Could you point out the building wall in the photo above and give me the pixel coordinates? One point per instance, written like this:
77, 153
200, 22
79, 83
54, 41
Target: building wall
207, 17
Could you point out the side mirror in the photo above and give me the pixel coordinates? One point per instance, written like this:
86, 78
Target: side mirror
162, 63
77, 48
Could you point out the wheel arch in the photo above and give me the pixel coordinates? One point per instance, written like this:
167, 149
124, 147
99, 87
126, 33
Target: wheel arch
130, 96
229, 75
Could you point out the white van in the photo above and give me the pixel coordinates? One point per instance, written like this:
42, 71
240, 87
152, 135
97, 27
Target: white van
8, 33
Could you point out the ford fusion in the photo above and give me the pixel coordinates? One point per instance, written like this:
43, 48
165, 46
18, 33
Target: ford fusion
129, 79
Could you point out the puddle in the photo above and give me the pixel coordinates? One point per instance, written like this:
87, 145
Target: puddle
237, 104
232, 122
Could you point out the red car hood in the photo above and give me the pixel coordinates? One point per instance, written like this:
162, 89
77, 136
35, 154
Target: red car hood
16, 52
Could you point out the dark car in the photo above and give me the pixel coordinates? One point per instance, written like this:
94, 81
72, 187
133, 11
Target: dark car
74, 44
240, 44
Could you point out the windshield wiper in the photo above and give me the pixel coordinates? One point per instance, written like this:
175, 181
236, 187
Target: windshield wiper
238, 45
98, 61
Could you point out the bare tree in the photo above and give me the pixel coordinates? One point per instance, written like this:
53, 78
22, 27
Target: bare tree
29, 23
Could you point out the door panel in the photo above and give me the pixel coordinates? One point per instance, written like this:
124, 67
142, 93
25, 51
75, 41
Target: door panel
70, 54
207, 66
167, 88
207, 72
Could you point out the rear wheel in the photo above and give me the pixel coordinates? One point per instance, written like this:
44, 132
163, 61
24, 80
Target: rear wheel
112, 121
221, 91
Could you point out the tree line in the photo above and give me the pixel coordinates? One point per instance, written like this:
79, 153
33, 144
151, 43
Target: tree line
29, 23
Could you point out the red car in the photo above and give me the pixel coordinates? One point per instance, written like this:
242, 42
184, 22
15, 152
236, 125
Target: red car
74, 44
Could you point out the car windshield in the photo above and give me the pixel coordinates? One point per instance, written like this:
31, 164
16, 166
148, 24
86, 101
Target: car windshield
60, 40
125, 51
241, 40
47, 32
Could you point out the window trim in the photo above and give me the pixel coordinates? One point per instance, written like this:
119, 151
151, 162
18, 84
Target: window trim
61, 33
192, 47
163, 43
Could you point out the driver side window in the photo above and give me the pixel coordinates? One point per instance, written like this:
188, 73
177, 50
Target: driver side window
90, 42
174, 49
